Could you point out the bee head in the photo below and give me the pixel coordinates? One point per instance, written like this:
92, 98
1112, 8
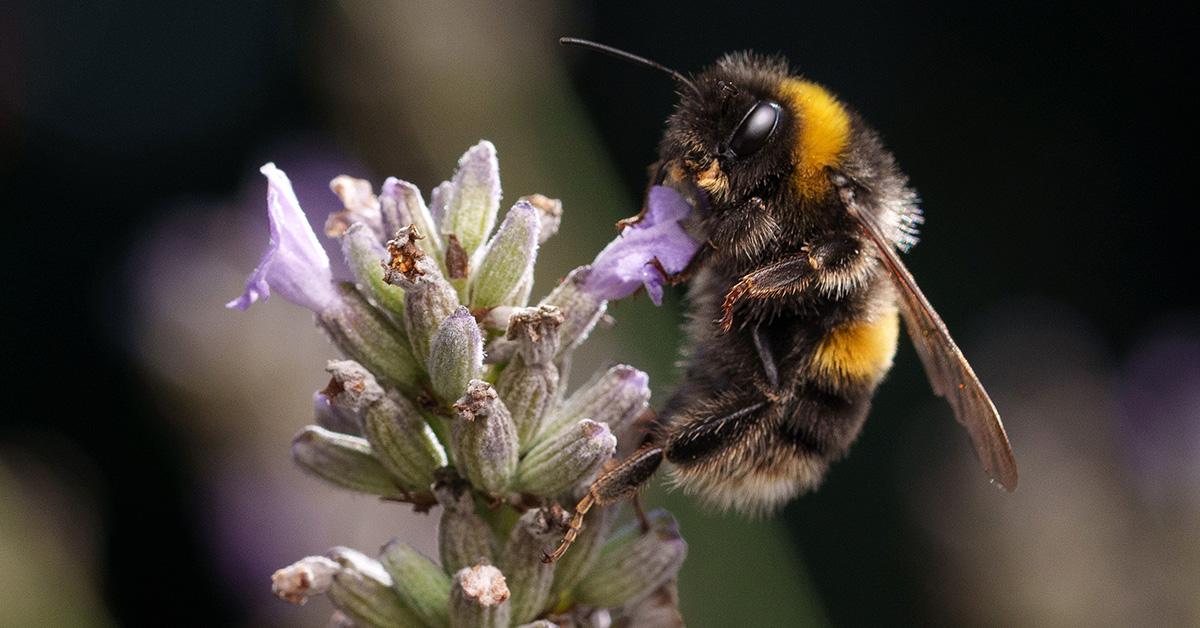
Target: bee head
745, 127
732, 135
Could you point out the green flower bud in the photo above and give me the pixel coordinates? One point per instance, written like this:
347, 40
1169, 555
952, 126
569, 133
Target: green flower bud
456, 355
550, 212
581, 308
437, 201
484, 439
616, 398
508, 259
521, 561
535, 330
365, 256
479, 598
474, 197
529, 391
364, 592
402, 440
351, 385
402, 206
464, 538
423, 586
557, 464
428, 298
632, 564
367, 336
496, 319
529, 385
344, 460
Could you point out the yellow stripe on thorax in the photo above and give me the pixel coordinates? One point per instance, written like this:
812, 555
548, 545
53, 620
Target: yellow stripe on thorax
861, 351
822, 136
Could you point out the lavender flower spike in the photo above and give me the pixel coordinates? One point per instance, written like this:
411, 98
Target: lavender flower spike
295, 265
628, 262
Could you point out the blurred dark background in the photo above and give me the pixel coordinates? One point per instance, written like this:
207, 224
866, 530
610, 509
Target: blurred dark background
1052, 148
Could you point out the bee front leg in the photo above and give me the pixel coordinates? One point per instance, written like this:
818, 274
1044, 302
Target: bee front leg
783, 278
620, 482
833, 264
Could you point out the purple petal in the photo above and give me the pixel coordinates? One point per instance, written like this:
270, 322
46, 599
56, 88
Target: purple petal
295, 265
664, 205
627, 263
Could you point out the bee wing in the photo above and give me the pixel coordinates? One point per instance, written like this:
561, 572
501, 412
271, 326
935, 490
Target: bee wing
949, 373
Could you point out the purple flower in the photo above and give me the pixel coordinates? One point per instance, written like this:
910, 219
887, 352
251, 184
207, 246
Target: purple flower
295, 265
628, 262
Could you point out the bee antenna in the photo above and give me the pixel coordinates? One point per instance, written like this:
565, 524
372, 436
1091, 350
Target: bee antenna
628, 56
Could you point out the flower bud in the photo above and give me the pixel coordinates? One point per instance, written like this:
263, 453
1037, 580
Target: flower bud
529, 385
582, 309
557, 464
508, 259
633, 565
365, 256
521, 561
479, 598
344, 460
423, 586
529, 392
363, 590
428, 298
366, 336
402, 440
304, 578
484, 438
474, 197
361, 207
550, 212
464, 538
437, 201
402, 206
335, 417
352, 386
456, 355
497, 318
535, 329
616, 398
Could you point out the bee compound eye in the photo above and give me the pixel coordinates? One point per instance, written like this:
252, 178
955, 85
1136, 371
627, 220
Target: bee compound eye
755, 129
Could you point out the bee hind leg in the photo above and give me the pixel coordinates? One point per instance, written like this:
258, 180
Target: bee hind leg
616, 484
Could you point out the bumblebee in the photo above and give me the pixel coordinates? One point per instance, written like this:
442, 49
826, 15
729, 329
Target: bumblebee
796, 301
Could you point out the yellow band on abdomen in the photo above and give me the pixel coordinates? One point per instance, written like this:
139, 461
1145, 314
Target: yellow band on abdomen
861, 351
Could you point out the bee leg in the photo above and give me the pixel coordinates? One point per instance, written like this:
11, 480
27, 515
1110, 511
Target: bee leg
783, 278
616, 484
768, 359
640, 511
704, 436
